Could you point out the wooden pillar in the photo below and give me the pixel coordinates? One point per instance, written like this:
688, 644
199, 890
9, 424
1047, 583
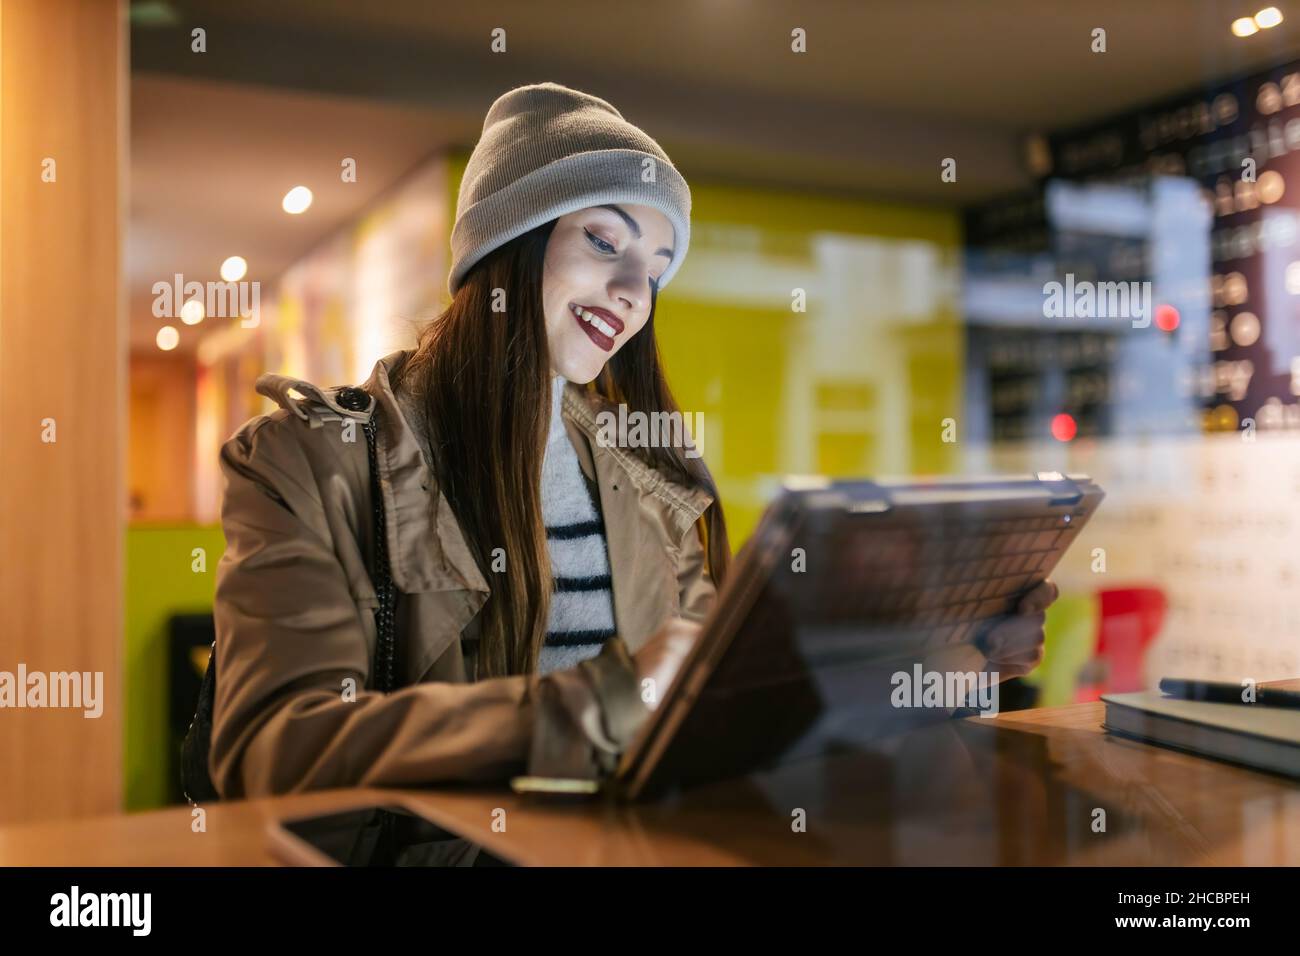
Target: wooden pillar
63, 115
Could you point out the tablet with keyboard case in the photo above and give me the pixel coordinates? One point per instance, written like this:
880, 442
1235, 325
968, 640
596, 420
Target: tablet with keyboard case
843, 586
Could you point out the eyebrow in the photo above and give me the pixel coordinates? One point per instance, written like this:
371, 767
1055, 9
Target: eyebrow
636, 228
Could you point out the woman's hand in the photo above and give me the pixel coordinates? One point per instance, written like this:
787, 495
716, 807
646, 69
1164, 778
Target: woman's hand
661, 657
1014, 646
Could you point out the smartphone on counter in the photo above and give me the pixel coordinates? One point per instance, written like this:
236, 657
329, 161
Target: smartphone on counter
372, 835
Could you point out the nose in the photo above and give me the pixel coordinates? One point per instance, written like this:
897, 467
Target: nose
633, 288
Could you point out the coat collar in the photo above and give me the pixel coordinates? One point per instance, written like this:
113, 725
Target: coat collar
428, 552
581, 409
646, 516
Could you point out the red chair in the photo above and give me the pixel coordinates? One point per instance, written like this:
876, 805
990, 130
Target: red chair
1129, 621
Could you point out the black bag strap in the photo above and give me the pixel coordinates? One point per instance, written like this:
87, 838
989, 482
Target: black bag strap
358, 399
385, 591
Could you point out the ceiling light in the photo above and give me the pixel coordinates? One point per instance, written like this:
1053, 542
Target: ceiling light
1268, 17
168, 338
234, 269
192, 312
1244, 27
296, 200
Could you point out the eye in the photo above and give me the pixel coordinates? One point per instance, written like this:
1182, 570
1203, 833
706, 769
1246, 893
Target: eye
599, 243
608, 248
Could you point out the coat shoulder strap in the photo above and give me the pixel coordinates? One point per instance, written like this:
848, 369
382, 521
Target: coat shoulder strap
317, 405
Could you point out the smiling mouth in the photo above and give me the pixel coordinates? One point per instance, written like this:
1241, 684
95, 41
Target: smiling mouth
601, 327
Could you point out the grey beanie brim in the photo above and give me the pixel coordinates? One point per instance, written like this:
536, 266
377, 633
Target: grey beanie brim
543, 119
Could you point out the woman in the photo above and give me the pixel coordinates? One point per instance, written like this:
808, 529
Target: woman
549, 585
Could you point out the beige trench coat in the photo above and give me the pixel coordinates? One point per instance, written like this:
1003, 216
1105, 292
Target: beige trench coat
294, 609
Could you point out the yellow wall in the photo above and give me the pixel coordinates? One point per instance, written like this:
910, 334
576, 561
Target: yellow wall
858, 383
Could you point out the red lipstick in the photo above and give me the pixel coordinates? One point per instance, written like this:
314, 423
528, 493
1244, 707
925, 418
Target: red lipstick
604, 317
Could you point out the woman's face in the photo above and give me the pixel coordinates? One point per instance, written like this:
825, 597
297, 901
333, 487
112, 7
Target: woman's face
600, 260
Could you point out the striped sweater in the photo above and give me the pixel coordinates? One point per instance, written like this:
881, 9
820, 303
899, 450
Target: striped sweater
582, 610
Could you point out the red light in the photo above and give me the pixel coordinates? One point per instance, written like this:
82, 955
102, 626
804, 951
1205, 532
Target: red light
1166, 318
1063, 427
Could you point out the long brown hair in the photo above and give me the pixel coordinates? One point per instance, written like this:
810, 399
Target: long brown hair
484, 377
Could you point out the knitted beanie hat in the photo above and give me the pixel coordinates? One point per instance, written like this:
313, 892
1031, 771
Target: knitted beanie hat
547, 150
